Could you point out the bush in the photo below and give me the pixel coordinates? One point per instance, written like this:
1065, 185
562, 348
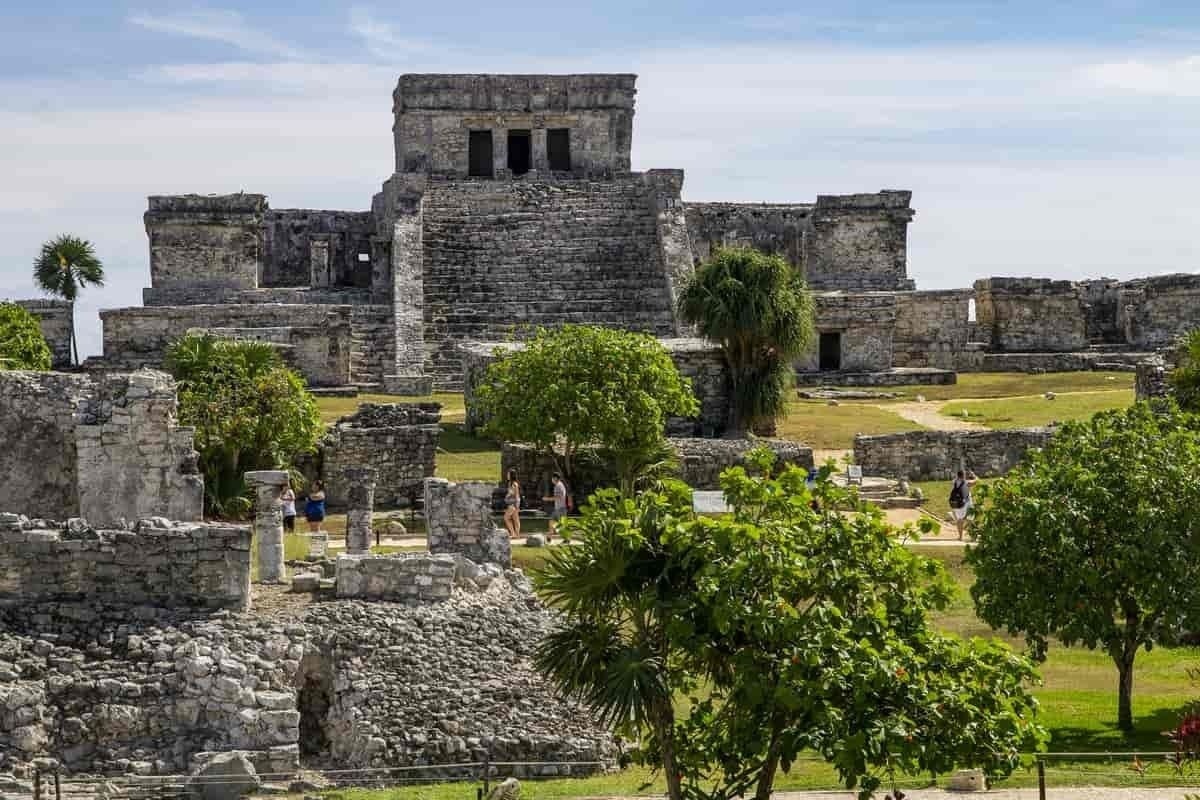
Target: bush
22, 345
249, 410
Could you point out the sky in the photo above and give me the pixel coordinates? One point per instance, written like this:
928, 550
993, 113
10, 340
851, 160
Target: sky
1053, 139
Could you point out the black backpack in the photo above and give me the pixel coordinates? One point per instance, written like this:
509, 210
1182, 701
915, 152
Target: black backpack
957, 499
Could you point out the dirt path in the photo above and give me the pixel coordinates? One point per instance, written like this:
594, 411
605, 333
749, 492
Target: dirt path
929, 415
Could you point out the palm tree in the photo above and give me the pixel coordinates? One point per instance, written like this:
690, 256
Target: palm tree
65, 265
757, 307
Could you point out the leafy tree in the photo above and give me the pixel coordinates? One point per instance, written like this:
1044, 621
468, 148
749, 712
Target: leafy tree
22, 345
808, 626
1095, 539
249, 410
64, 266
579, 386
756, 306
1185, 378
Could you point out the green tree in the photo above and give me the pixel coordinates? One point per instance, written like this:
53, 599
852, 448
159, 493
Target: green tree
808, 627
757, 308
64, 266
1095, 539
584, 386
249, 410
1185, 378
22, 345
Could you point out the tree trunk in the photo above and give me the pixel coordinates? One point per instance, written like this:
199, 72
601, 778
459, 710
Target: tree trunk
1125, 690
664, 723
766, 778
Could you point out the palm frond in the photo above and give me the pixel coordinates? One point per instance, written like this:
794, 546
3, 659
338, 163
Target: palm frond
65, 265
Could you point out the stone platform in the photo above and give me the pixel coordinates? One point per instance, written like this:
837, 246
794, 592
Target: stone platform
899, 376
1083, 361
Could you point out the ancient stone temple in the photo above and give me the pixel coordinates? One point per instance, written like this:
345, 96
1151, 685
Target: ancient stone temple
512, 203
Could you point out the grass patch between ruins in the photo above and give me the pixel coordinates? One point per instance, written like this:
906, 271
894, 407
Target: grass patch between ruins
825, 427
1015, 384
1035, 410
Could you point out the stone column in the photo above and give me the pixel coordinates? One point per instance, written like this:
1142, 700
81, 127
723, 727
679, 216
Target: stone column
360, 503
268, 522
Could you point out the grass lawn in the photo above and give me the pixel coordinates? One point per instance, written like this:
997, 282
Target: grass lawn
1013, 384
1034, 410
937, 496
825, 427
333, 408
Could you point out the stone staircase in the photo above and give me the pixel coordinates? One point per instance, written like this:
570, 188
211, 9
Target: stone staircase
499, 254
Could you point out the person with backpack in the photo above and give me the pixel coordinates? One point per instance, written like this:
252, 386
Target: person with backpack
960, 499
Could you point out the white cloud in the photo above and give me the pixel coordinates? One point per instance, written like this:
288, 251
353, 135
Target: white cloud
227, 27
384, 41
1178, 77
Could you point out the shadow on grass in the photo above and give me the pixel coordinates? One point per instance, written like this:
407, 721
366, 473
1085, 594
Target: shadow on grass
1147, 734
456, 440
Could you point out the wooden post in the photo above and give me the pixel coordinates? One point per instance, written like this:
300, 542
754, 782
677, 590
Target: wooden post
1041, 778
57, 786
37, 784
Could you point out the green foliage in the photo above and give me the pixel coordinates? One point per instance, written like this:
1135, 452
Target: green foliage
1095, 539
22, 345
808, 625
64, 266
579, 386
249, 410
756, 306
1185, 378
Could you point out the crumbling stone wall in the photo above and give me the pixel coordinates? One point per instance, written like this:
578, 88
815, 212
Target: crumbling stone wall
184, 566
206, 240
412, 578
399, 440
103, 447
320, 248
933, 329
434, 114
1030, 314
458, 519
778, 228
700, 361
701, 461
1153, 312
1150, 379
56, 319
938, 455
866, 323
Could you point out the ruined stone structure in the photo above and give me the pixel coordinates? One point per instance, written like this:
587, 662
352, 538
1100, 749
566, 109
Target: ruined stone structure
57, 320
458, 520
938, 455
104, 447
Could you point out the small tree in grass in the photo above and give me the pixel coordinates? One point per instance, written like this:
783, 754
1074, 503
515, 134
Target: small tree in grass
249, 410
22, 345
809, 627
1095, 539
579, 386
1185, 378
64, 266
756, 306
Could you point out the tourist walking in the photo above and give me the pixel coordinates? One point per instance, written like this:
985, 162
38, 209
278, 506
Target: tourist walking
314, 508
960, 499
512, 506
561, 504
288, 498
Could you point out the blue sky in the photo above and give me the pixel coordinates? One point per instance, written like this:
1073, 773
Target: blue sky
1051, 139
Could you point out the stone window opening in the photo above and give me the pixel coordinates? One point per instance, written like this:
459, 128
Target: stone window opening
520, 151
480, 155
314, 699
971, 310
558, 149
830, 351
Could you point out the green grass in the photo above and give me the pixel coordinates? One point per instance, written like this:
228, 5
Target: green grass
937, 496
1035, 410
825, 427
1013, 384
334, 408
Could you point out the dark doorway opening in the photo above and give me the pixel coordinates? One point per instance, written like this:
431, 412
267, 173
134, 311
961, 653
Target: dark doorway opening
831, 351
479, 155
558, 149
314, 697
520, 154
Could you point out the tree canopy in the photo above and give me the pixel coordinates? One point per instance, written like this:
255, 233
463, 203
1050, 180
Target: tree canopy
22, 345
757, 308
64, 266
249, 410
807, 624
1095, 539
1185, 378
581, 385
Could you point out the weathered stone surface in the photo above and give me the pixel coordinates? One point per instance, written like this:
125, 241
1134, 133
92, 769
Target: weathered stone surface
225, 776
1031, 314
458, 519
398, 440
1153, 312
400, 577
701, 461
56, 319
104, 447
268, 485
1150, 379
938, 455
360, 504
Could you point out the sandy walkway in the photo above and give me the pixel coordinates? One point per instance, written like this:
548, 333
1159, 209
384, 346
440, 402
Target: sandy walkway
929, 415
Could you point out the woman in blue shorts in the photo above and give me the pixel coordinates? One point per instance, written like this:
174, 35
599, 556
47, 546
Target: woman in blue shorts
314, 508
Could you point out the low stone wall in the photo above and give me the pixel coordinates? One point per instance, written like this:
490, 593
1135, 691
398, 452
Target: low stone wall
57, 321
105, 447
308, 350
701, 461
399, 440
458, 519
1151, 379
1060, 362
698, 360
1153, 312
194, 567
403, 577
938, 455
